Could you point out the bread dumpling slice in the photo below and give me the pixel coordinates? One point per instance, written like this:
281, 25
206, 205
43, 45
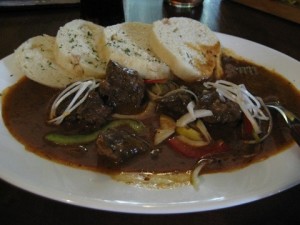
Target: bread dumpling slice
188, 47
77, 44
35, 59
128, 44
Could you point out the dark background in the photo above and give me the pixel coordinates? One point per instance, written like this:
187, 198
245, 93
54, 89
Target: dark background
21, 207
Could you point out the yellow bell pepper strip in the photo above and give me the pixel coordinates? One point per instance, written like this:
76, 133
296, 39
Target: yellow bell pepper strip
76, 139
166, 122
189, 133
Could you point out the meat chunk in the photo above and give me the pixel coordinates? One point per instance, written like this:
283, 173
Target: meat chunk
223, 111
123, 88
174, 105
120, 145
88, 116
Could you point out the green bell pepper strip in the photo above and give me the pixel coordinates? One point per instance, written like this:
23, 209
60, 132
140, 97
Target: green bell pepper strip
76, 139
136, 125
62, 139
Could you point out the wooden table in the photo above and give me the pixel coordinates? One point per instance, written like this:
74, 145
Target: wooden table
16, 25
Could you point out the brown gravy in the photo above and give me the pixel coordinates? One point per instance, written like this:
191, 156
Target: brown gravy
25, 110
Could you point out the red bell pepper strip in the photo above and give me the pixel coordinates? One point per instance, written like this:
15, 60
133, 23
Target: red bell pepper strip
197, 152
247, 126
248, 131
154, 81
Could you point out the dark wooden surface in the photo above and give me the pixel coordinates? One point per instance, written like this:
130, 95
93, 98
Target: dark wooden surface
21, 207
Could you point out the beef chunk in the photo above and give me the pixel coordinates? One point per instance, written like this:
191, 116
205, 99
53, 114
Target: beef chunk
123, 88
223, 111
88, 116
175, 104
120, 145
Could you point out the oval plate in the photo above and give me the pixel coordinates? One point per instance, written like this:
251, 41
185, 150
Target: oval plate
94, 190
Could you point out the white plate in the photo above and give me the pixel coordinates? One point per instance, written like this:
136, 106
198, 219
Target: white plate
95, 190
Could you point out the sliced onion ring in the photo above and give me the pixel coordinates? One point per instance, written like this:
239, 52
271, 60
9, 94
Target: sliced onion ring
195, 174
81, 90
150, 108
188, 118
